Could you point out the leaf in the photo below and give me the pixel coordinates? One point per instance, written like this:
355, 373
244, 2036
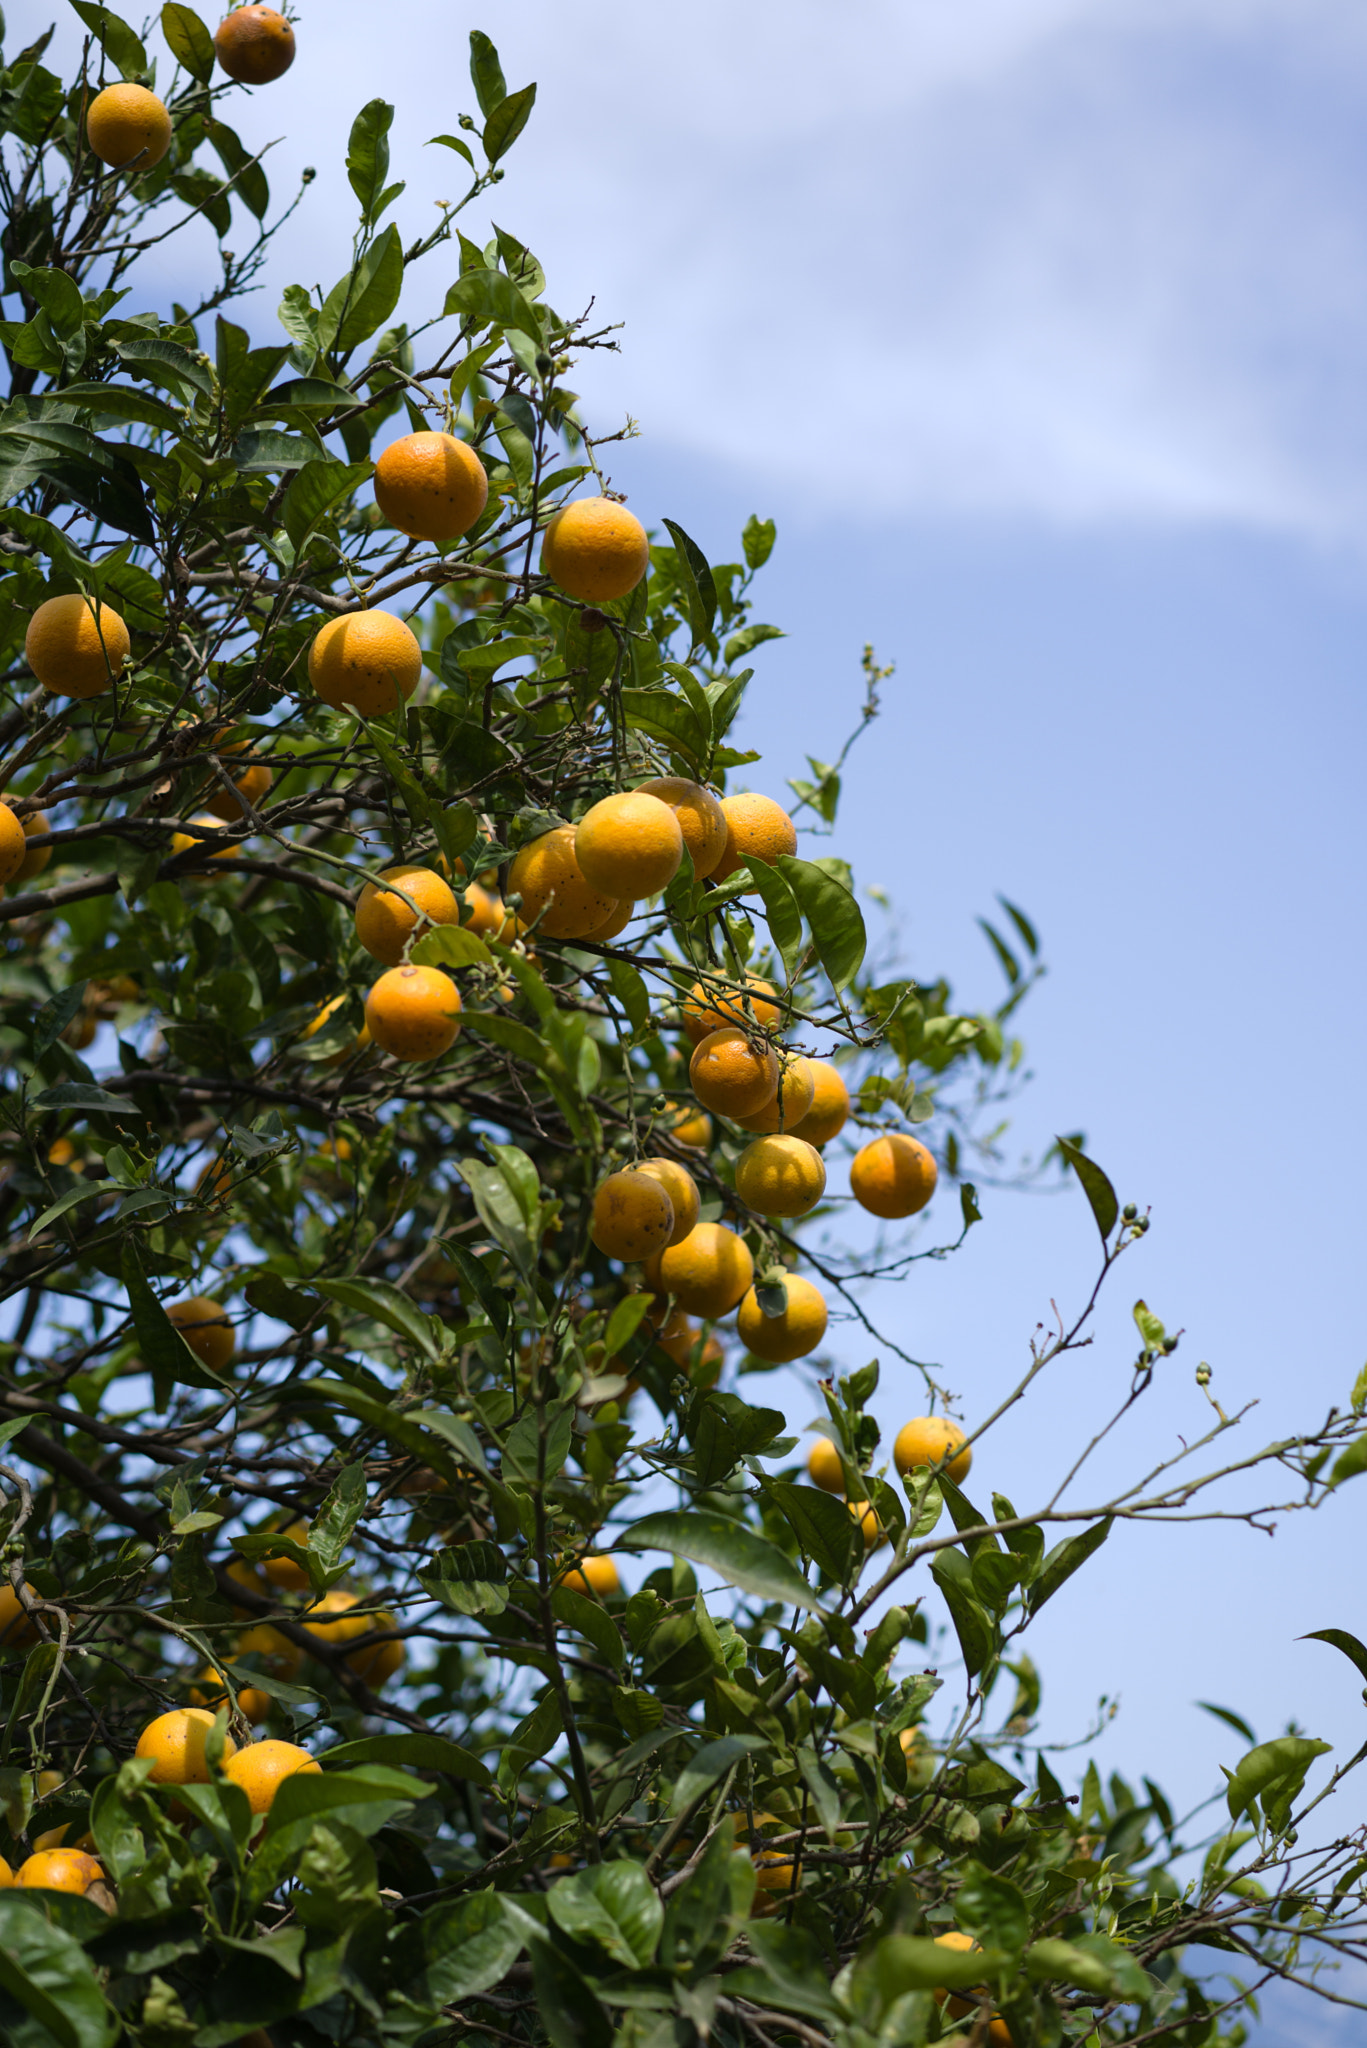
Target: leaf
758, 540
993, 1909
163, 1350
950, 1571
695, 578
1230, 1718
314, 490
1339, 1639
612, 1904
1274, 1773
52, 1020
385, 1304
337, 1517
188, 40
476, 1276
419, 1752
835, 919
273, 1297
486, 73
669, 717
249, 180
114, 36
363, 300
625, 1320
1350, 1462
910, 1962
1063, 1560
87, 1095
261, 450
507, 122
46, 1973
707, 1765
367, 157
452, 142
780, 910
1149, 1327
492, 300
590, 1620
466, 1948
450, 945
822, 1524
167, 363
1010, 966
735, 1553
567, 2008
1096, 1187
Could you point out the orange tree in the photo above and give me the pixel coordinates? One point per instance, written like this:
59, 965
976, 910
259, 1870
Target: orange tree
413, 1625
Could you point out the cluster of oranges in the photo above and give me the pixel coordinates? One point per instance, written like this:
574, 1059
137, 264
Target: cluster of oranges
129, 128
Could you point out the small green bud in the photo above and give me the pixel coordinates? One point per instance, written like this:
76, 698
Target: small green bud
465, 122
1203, 1374
1129, 1212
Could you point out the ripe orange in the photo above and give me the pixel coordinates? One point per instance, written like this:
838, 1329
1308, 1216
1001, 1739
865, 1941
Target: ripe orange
754, 824
733, 1074
679, 1184
830, 1105
611, 926
262, 1768
175, 1742
321, 1016
251, 785
701, 818
209, 1691
595, 1575
778, 1340
998, 2033
824, 1466
431, 486
932, 1440
375, 1664
711, 1007
870, 1527
6, 1875
792, 1099
18, 1629
776, 1870
484, 914
205, 1327
73, 650
126, 125
283, 1571
707, 1274
82, 1028
254, 45
414, 1012
557, 896
385, 922
893, 1176
780, 1176
595, 550
274, 1649
632, 1215
12, 847
60, 1870
629, 845
370, 661
693, 1128
192, 842
245, 1573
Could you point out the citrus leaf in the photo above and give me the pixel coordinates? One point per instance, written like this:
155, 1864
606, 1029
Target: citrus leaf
1096, 1187
736, 1554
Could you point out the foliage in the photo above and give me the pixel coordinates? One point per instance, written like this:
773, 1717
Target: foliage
740, 1800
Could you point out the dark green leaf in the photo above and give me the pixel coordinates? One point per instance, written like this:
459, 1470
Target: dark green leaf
367, 157
52, 1020
114, 36
314, 490
1096, 1187
268, 449
418, 1752
363, 300
1010, 966
168, 364
835, 919
567, 2008
695, 580
590, 1620
492, 300
164, 1351
951, 1573
1339, 1639
781, 912
507, 122
45, 1974
248, 178
466, 1948
386, 1304
993, 1909
614, 1905
822, 1524
735, 1553
486, 73
188, 40
1063, 1560
1230, 1719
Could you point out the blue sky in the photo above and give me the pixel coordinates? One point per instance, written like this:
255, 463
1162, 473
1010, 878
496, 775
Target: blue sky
1037, 325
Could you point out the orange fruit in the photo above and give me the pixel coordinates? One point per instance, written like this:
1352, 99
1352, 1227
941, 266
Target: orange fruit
596, 1575
73, 650
701, 818
262, 1768
693, 1128
209, 1691
414, 1012
275, 1649
321, 1016
283, 1571
893, 1176
778, 1340
254, 45
385, 922
632, 1215
205, 1327
82, 1028
870, 1527
60, 1870
369, 661
830, 1105
780, 1176
192, 842
618, 922
374, 1664
824, 1466
679, 1184
557, 897
251, 785
431, 486
998, 2033
792, 1099
595, 550
754, 824
629, 845
127, 126
6, 1875
707, 1274
245, 1573
932, 1440
712, 1007
31, 860
776, 1870
175, 1742
733, 1074
18, 1629
484, 913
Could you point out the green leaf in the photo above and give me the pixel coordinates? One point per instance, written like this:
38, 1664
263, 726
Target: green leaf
822, 1524
735, 1553
836, 921
87, 1095
1274, 1773
363, 300
249, 180
476, 1276
52, 1020
163, 1350
566, 2007
758, 540
367, 157
1096, 1187
1230, 1719
461, 1950
1064, 1962
452, 142
168, 364
696, 582
1350, 1462
1063, 1560
780, 910
418, 1752
910, 1962
670, 717
507, 122
331, 1527
1339, 1639
1149, 1327
707, 1765
46, 1974
385, 1304
951, 1573
188, 40
1010, 966
486, 73
993, 1909
492, 300
450, 945
625, 1320
614, 1905
115, 37
260, 451
590, 1620
315, 489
